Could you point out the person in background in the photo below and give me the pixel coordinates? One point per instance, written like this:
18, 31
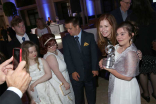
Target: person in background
41, 28
57, 20
21, 35
123, 86
56, 62
40, 73
17, 81
81, 57
122, 12
49, 21
145, 17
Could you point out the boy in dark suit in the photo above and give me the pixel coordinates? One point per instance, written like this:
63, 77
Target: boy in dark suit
21, 35
80, 53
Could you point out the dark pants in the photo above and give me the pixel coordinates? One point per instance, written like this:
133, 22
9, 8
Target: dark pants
90, 91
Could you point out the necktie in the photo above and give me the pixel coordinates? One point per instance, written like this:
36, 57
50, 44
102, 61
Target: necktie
78, 43
23, 38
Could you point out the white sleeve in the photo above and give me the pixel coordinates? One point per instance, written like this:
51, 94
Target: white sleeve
16, 90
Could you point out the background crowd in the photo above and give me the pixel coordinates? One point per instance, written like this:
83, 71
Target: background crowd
44, 68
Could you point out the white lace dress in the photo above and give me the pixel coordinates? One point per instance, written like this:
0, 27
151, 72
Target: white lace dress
46, 91
70, 98
122, 91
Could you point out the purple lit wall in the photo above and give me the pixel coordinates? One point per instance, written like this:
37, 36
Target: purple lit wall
46, 10
90, 7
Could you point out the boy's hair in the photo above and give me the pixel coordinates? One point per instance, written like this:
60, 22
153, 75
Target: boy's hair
16, 21
73, 20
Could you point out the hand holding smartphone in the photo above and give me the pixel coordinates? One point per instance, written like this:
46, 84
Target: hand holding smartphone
17, 57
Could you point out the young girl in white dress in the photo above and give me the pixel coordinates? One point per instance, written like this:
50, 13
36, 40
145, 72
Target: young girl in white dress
123, 86
58, 67
40, 73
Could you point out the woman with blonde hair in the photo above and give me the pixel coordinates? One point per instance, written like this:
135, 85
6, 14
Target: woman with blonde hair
145, 17
40, 74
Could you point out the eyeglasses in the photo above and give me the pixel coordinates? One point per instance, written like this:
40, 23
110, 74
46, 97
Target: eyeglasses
53, 45
128, 3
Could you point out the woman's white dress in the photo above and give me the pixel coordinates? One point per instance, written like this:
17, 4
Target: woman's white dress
45, 90
122, 91
70, 98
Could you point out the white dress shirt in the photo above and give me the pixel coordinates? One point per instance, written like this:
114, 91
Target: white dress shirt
79, 35
16, 90
20, 38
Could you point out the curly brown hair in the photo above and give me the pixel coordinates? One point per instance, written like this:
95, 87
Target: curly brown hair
43, 39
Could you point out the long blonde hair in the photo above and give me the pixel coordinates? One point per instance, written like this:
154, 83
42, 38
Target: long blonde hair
25, 53
102, 41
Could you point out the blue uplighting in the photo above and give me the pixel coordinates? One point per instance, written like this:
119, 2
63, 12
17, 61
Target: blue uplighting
90, 7
46, 10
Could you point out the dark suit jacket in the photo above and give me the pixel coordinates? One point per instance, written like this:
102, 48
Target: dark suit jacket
48, 22
83, 62
118, 16
4, 34
12, 33
15, 43
3, 48
9, 97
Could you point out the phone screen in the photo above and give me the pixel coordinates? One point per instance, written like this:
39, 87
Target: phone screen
17, 54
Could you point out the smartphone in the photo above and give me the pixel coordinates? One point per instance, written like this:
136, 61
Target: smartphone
35, 95
17, 57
